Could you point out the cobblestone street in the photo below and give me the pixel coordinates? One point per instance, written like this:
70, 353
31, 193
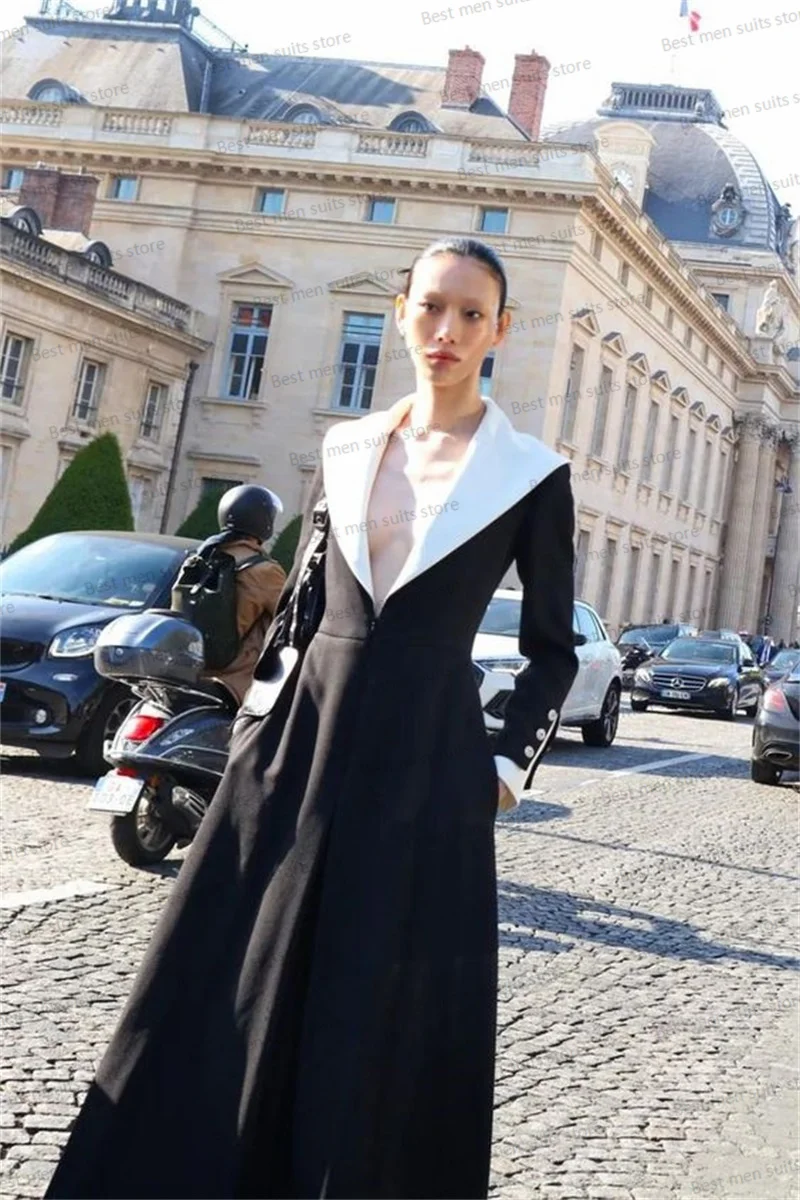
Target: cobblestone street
649, 968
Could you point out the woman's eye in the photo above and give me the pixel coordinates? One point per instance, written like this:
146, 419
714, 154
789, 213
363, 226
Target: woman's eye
474, 313
427, 304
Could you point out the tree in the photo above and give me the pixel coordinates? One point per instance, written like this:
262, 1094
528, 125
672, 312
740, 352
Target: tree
284, 547
91, 494
201, 522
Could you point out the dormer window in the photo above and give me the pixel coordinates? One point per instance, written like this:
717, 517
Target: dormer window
99, 254
304, 116
52, 91
409, 123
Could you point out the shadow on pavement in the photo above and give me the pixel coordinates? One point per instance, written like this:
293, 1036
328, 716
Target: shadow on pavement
588, 920
533, 811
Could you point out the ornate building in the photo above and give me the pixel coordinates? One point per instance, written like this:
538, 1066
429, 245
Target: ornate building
654, 292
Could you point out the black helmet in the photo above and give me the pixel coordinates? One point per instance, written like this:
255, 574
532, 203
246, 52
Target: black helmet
249, 510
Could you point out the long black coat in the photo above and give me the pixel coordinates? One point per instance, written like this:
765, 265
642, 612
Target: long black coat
315, 1015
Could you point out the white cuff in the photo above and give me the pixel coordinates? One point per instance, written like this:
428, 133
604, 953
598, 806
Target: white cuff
512, 776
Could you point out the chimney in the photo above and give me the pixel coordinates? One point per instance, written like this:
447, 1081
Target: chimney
528, 88
462, 84
61, 201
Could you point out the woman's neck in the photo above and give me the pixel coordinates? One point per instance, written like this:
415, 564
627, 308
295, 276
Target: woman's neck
447, 410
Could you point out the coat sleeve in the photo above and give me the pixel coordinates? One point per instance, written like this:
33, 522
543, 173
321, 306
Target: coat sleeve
544, 556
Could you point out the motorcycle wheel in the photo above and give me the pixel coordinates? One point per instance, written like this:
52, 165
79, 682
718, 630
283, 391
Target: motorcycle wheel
141, 838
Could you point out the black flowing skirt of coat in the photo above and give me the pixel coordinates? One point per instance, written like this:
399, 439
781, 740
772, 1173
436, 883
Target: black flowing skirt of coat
315, 1015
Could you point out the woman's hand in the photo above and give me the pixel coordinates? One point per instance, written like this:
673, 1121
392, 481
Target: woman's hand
505, 798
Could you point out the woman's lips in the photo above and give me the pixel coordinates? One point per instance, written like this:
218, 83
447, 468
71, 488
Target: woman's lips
440, 356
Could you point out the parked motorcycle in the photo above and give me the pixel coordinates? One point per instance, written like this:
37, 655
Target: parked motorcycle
169, 754
633, 655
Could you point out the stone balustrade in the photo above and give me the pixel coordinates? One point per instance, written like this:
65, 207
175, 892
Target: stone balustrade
31, 114
291, 137
138, 124
397, 145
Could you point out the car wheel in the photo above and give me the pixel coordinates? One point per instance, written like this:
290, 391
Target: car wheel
638, 706
141, 838
729, 713
764, 772
113, 709
603, 731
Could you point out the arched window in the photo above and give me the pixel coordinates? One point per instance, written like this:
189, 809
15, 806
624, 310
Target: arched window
99, 253
26, 219
48, 91
304, 116
409, 125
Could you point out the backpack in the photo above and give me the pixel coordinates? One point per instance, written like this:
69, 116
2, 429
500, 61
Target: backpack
204, 593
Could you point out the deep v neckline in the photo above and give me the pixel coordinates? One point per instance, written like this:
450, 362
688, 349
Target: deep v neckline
417, 542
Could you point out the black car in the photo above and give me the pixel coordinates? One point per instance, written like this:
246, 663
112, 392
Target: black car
57, 594
781, 664
640, 642
710, 674
776, 730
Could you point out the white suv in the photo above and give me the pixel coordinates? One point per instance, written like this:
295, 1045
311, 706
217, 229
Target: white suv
593, 700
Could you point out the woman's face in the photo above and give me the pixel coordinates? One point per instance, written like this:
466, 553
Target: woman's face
449, 318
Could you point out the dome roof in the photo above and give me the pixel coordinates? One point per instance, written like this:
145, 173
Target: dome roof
693, 160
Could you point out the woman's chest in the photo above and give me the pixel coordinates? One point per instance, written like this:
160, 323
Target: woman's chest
406, 496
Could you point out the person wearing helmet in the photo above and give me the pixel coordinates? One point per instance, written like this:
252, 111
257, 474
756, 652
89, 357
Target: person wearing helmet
246, 517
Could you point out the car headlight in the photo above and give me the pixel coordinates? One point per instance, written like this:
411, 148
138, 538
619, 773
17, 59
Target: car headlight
643, 675
512, 666
719, 681
75, 643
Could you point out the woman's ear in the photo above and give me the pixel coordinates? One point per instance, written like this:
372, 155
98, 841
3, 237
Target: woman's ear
400, 312
503, 326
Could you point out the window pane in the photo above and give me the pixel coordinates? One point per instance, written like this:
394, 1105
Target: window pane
358, 357
601, 411
494, 220
13, 367
271, 201
124, 187
381, 211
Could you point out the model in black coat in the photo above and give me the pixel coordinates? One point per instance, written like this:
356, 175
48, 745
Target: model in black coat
315, 1015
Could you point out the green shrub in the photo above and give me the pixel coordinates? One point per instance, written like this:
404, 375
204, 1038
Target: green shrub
202, 522
284, 547
91, 494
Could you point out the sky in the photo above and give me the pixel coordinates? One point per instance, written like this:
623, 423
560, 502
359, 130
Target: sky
753, 68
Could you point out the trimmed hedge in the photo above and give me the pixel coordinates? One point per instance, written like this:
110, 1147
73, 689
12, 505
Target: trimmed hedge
201, 522
284, 547
91, 494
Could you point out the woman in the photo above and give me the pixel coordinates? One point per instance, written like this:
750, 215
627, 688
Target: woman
315, 1015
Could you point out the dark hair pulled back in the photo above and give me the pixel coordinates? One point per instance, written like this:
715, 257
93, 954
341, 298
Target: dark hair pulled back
465, 248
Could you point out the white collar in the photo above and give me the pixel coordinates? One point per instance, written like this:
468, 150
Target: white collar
500, 467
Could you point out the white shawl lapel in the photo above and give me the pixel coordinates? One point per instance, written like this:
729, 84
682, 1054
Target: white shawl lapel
500, 467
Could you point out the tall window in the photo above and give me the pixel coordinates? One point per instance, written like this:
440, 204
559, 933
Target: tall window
688, 337
597, 247
705, 478
141, 492
722, 471
358, 360
6, 467
688, 466
689, 609
124, 187
601, 412
217, 485
494, 220
90, 389
572, 394
487, 370
631, 582
648, 297
706, 615
248, 348
652, 591
672, 595
669, 459
381, 211
581, 558
271, 201
670, 318
650, 441
609, 559
624, 274
14, 367
626, 433
153, 412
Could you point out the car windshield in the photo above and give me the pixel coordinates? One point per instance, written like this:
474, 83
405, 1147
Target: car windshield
696, 650
502, 617
785, 659
654, 635
87, 569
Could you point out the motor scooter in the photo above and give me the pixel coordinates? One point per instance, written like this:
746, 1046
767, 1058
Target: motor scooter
169, 754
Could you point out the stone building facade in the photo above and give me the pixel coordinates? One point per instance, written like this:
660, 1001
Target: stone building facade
654, 333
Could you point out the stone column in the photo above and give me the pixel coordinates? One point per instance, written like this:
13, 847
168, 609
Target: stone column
786, 575
765, 490
741, 499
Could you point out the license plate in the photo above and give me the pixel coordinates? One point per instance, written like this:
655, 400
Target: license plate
673, 695
2, 691
116, 794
